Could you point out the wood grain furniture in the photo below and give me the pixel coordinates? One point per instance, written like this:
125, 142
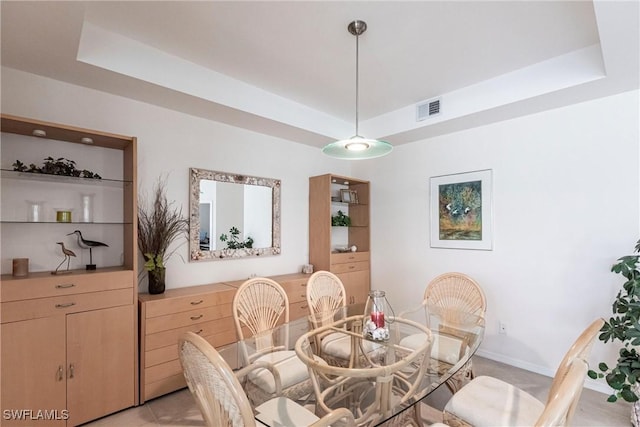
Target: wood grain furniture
489, 401
69, 342
326, 241
204, 309
222, 401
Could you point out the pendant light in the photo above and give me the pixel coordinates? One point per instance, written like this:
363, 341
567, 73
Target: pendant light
357, 147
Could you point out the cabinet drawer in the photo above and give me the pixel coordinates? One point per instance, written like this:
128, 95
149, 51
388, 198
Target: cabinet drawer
187, 318
165, 338
45, 307
164, 386
173, 305
296, 290
42, 286
170, 352
298, 310
352, 266
346, 257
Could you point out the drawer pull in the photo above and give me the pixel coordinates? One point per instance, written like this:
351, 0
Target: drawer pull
65, 305
196, 317
65, 286
71, 368
303, 295
199, 332
351, 267
60, 373
304, 306
303, 284
197, 302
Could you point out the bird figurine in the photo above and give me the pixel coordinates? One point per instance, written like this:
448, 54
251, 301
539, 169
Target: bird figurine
88, 244
68, 253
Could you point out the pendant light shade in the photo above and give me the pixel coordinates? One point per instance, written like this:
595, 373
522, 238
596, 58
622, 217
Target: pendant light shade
357, 147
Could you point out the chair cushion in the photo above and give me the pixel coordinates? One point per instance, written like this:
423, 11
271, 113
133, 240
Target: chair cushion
284, 412
291, 369
488, 401
444, 348
338, 345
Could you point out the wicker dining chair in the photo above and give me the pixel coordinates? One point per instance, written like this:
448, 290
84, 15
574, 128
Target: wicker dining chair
489, 401
457, 295
456, 298
220, 397
458, 292
258, 305
326, 295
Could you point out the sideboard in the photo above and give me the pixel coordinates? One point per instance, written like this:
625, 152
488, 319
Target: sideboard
203, 309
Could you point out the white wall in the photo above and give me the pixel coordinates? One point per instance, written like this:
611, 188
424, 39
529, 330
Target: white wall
566, 197
566, 204
170, 143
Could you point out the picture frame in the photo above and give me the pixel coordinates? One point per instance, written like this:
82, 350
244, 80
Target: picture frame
461, 210
348, 196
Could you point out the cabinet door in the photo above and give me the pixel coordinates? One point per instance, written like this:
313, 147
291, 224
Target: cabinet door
100, 363
356, 284
33, 372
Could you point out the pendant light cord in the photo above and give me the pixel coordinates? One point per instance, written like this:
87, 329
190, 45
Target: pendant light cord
357, 74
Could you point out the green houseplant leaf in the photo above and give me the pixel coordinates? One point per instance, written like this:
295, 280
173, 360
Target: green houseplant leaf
624, 326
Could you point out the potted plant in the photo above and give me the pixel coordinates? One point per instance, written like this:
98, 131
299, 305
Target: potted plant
233, 240
340, 220
624, 326
159, 224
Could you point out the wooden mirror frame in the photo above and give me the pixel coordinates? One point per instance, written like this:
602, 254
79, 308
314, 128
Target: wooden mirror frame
196, 254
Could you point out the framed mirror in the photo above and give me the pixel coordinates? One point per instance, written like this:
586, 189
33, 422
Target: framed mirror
232, 216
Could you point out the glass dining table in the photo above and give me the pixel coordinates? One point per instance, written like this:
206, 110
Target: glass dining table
380, 381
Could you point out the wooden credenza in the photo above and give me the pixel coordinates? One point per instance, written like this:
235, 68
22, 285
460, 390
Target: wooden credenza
203, 309
68, 346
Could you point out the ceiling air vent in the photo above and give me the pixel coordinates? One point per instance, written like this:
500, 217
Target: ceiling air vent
428, 109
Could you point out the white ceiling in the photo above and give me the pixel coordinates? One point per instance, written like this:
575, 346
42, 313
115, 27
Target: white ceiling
288, 68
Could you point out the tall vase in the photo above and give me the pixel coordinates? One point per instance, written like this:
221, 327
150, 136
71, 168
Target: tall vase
156, 280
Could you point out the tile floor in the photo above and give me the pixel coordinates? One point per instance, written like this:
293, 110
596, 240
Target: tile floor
178, 409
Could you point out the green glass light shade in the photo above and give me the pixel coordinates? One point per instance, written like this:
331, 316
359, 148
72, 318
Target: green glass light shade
357, 148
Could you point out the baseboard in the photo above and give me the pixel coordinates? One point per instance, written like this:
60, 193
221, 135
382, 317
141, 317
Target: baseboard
599, 386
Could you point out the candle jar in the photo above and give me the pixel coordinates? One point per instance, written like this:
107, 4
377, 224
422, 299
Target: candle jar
86, 208
35, 211
374, 324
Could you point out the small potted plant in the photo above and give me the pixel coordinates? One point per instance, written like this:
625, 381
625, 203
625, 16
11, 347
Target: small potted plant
340, 220
624, 326
233, 240
159, 224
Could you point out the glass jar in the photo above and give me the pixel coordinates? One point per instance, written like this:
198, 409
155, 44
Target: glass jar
374, 324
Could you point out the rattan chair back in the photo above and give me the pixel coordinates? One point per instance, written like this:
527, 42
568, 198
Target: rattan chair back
212, 383
581, 348
455, 294
562, 401
258, 305
325, 294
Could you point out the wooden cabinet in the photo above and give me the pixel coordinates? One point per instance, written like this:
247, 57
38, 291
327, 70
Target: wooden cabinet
68, 341
329, 194
71, 355
205, 310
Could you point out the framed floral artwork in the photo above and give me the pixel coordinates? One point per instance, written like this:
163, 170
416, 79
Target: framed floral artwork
461, 210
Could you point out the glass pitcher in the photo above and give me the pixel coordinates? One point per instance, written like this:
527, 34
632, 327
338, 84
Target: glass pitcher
375, 326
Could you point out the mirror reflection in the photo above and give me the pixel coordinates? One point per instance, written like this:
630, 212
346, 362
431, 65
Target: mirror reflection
233, 215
